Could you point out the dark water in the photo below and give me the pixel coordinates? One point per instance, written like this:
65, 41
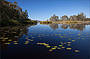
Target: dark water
51, 41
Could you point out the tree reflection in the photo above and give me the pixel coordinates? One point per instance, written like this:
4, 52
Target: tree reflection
54, 26
80, 27
11, 34
64, 26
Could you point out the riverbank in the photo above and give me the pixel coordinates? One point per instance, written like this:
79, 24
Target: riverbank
45, 22
71, 22
17, 23
65, 22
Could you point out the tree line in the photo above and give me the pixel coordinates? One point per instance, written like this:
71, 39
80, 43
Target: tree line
12, 14
79, 17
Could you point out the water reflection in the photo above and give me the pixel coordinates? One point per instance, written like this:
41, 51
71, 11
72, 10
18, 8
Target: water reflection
64, 26
54, 26
80, 27
41, 40
10, 35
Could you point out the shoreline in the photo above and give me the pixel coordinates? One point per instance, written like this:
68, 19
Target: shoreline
71, 22
65, 22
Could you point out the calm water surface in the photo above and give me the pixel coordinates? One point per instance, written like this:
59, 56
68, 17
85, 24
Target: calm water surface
50, 41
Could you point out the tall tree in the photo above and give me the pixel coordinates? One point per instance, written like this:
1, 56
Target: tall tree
54, 18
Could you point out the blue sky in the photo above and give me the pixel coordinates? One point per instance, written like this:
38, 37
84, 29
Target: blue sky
44, 9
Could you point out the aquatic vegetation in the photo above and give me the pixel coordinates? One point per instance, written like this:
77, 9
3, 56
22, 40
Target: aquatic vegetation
31, 40
63, 43
56, 34
63, 47
61, 36
73, 40
39, 36
7, 43
26, 42
46, 39
46, 45
60, 45
9, 40
51, 50
33, 37
52, 40
15, 43
55, 46
83, 38
58, 48
76, 51
68, 48
69, 38
26, 38
68, 42
79, 34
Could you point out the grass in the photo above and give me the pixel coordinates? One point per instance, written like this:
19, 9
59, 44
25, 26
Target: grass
70, 22
45, 22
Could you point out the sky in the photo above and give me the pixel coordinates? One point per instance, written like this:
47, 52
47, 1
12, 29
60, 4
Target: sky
44, 9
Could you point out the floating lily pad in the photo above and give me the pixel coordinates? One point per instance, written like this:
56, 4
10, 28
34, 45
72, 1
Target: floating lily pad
53, 48
7, 43
76, 50
68, 48
15, 43
58, 48
63, 47
48, 46
60, 45
31, 40
69, 42
26, 42
79, 34
9, 40
73, 40
50, 50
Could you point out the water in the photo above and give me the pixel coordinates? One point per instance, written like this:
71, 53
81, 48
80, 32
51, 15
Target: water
46, 41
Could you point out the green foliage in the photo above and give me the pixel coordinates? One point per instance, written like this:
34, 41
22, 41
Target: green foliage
45, 22
12, 14
54, 18
69, 22
13, 22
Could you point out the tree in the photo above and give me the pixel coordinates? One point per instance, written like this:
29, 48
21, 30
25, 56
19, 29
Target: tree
10, 15
2, 0
54, 18
26, 14
81, 17
65, 17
